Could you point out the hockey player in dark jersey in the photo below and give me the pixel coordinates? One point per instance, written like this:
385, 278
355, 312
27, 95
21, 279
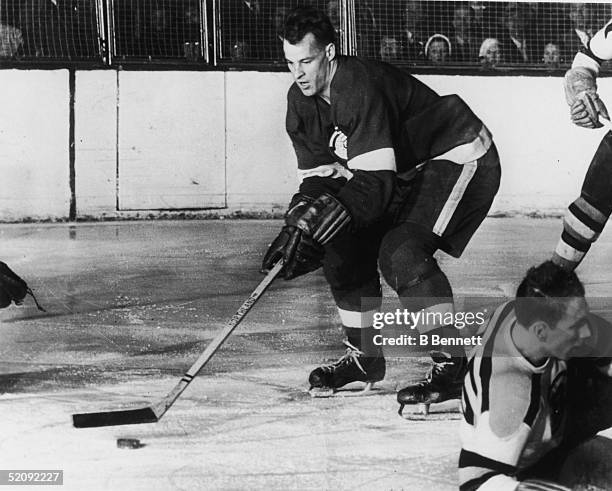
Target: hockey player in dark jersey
538, 386
390, 172
586, 217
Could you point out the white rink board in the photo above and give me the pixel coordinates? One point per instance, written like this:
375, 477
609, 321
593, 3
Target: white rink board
34, 144
171, 140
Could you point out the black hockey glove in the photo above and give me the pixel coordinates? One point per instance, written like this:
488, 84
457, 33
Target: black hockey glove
300, 253
13, 289
324, 219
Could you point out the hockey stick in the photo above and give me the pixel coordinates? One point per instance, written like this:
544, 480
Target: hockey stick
153, 413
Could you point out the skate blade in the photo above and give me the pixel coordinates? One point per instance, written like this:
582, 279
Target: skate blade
324, 392
446, 410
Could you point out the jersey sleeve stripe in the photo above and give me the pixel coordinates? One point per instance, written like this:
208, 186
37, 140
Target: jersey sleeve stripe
474, 484
588, 214
578, 229
472, 378
335, 171
574, 243
472, 459
534, 403
381, 159
600, 45
568, 253
469, 152
468, 412
486, 364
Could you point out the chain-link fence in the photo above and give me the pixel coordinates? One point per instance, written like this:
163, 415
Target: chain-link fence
440, 34
49, 30
466, 34
158, 30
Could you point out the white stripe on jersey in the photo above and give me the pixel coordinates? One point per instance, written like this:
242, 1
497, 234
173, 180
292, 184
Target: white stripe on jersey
381, 159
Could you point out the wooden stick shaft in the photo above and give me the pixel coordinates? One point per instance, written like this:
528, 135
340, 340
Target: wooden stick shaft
161, 407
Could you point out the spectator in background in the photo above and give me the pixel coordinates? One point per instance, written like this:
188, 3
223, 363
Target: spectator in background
240, 51
551, 56
158, 33
390, 48
580, 31
278, 21
465, 46
438, 49
11, 41
516, 45
490, 53
332, 9
246, 29
483, 20
190, 34
413, 40
366, 29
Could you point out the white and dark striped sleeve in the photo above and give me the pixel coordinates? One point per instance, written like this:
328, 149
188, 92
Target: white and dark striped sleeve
598, 50
500, 406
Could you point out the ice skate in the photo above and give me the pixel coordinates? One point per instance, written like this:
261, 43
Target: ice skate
353, 366
441, 387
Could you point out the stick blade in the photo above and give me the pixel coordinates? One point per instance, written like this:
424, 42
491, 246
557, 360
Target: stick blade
115, 418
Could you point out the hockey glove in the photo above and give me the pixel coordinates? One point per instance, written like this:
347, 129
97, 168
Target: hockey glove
13, 288
299, 252
324, 219
581, 95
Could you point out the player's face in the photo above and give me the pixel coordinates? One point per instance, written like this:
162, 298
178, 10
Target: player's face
570, 332
310, 64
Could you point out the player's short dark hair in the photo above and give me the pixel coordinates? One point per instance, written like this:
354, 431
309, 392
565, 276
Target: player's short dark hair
544, 293
303, 20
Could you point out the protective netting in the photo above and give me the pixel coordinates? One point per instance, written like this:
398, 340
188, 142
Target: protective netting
442, 34
486, 34
249, 31
49, 30
158, 30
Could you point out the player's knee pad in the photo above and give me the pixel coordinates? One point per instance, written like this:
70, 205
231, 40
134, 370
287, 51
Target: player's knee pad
408, 266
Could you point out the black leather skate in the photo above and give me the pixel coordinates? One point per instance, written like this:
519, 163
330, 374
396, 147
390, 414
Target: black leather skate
354, 366
443, 382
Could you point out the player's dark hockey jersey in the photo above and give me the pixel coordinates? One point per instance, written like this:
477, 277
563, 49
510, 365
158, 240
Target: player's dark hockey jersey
380, 119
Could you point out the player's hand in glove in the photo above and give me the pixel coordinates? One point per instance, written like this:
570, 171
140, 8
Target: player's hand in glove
586, 110
13, 289
299, 252
581, 94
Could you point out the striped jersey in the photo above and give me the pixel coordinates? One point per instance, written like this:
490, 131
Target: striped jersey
513, 411
597, 50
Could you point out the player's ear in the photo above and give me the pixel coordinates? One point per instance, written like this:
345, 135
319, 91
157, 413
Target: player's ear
330, 51
540, 330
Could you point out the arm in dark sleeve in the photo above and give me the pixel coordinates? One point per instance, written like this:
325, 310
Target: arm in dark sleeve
367, 196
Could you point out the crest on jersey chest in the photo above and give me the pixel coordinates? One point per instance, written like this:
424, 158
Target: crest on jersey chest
338, 144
